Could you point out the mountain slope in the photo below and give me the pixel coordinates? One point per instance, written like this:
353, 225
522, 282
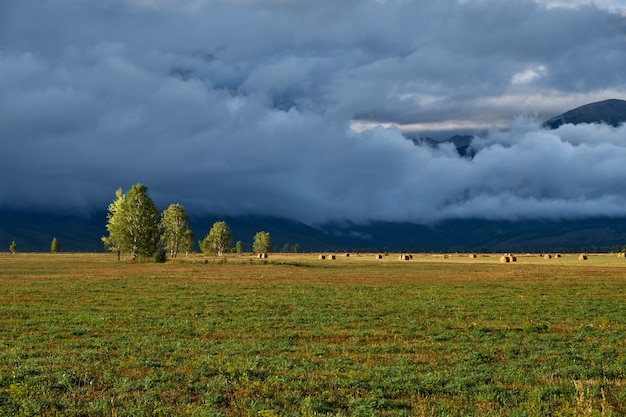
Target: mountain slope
612, 112
33, 232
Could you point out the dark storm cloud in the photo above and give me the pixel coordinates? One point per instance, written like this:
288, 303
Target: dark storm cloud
277, 107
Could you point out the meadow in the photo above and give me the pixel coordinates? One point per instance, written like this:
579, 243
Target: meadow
292, 335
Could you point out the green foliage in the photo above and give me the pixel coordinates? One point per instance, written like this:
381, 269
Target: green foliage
177, 235
134, 223
239, 247
55, 246
262, 242
160, 256
218, 240
13, 248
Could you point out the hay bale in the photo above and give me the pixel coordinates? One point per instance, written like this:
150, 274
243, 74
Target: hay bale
347, 255
505, 259
547, 256
404, 257
621, 255
379, 256
513, 258
472, 256
262, 255
332, 257
322, 257
557, 255
582, 257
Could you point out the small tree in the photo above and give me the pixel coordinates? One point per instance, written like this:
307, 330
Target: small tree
55, 247
286, 248
295, 248
239, 247
262, 242
177, 235
218, 240
13, 248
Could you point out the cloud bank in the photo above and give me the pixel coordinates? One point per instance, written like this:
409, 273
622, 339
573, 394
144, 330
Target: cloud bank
300, 109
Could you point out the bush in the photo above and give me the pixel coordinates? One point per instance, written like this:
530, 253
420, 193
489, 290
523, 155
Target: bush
160, 256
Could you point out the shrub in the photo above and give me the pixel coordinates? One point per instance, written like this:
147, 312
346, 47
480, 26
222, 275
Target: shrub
160, 256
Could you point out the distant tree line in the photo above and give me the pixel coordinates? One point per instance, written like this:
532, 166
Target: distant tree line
136, 227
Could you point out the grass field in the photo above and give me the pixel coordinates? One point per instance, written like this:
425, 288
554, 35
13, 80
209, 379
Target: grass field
85, 335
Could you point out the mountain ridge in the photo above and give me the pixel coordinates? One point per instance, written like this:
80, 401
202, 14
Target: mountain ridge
33, 232
611, 112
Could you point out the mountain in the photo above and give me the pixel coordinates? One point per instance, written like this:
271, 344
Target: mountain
33, 232
612, 112
460, 142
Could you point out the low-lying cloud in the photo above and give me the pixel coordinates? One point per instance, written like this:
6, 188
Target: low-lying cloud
278, 108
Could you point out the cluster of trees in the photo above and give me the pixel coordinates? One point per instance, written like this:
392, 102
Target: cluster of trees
219, 240
287, 248
136, 226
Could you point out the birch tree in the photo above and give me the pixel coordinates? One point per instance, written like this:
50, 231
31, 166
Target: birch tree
262, 242
218, 240
177, 235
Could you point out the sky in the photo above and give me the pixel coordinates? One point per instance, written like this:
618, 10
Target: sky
302, 108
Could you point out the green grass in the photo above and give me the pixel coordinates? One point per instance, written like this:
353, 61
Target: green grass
84, 335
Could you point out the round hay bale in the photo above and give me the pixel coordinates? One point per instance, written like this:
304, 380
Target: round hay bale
472, 255
582, 257
547, 256
322, 257
404, 257
557, 255
332, 257
504, 259
621, 255
379, 256
262, 255
347, 255
513, 258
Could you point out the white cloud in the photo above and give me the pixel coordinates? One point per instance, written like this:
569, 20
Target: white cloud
529, 75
